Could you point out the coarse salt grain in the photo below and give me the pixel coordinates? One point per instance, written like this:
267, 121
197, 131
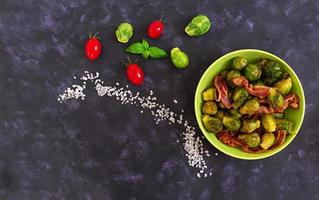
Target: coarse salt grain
193, 144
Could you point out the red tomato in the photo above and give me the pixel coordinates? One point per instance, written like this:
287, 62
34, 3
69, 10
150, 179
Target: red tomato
155, 29
93, 48
135, 74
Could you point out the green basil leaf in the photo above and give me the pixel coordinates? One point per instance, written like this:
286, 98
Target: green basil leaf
145, 54
156, 52
135, 48
145, 44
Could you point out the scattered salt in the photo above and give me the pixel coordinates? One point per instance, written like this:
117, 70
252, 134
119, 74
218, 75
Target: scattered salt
193, 144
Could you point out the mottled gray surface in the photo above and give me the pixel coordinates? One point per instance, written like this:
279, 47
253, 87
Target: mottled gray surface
99, 149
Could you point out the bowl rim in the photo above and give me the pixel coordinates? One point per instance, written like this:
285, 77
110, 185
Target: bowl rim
260, 155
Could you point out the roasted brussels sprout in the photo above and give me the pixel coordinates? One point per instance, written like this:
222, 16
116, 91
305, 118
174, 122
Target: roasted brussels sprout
252, 72
198, 26
239, 96
239, 63
267, 140
230, 75
268, 122
271, 71
212, 124
235, 113
208, 94
209, 108
231, 123
275, 99
250, 107
220, 115
224, 73
259, 82
250, 125
179, 58
252, 140
124, 32
284, 86
285, 124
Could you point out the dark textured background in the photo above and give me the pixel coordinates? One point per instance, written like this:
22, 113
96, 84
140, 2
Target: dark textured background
99, 149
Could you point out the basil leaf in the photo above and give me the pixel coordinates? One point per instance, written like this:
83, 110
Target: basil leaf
156, 52
145, 44
135, 48
145, 54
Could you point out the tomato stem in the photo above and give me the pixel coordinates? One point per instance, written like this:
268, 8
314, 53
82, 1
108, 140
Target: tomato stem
129, 60
161, 19
93, 35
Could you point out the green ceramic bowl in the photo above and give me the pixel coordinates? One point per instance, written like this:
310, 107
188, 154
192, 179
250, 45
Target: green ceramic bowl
252, 55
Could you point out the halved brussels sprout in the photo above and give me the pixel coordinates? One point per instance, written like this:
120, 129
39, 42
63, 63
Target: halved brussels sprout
208, 94
239, 96
239, 63
250, 107
212, 124
231, 123
271, 71
252, 72
198, 26
267, 140
252, 140
250, 125
179, 58
235, 113
285, 124
269, 122
230, 75
284, 86
275, 99
220, 114
124, 32
209, 108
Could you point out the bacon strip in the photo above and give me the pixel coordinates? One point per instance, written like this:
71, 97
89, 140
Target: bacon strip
222, 90
263, 101
226, 138
266, 110
255, 90
258, 91
280, 138
291, 100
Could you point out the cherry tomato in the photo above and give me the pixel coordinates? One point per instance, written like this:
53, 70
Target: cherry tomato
155, 29
135, 74
93, 47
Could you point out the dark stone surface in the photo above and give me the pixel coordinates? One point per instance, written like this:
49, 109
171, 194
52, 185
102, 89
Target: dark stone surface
99, 149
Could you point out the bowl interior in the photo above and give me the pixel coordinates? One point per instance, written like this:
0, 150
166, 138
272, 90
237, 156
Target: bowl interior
253, 56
